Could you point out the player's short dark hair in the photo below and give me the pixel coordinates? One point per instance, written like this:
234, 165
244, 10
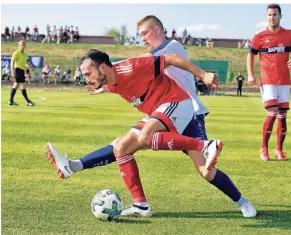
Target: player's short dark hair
150, 17
274, 6
97, 56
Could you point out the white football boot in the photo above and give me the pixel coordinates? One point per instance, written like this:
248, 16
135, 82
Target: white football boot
135, 210
211, 151
248, 209
60, 162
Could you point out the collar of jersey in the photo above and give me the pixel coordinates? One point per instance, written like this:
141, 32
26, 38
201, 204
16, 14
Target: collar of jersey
160, 47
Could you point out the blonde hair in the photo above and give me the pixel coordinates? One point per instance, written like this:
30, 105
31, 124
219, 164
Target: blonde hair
150, 17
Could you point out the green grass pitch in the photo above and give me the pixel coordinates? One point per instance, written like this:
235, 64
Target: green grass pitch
36, 201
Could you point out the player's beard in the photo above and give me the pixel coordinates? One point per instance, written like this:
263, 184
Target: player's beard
102, 79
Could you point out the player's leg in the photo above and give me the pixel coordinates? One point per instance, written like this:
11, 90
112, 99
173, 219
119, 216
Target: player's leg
283, 100
217, 178
13, 92
101, 157
66, 167
130, 174
174, 117
24, 93
269, 95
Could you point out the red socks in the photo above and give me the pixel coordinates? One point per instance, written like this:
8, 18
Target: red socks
281, 130
268, 127
174, 141
130, 174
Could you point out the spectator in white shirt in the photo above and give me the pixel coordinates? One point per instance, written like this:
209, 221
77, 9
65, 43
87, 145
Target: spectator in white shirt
57, 74
46, 72
77, 76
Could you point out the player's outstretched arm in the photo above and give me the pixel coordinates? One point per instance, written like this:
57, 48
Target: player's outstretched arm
250, 68
178, 61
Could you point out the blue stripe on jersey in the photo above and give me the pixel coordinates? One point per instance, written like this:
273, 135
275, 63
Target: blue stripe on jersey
160, 47
254, 51
157, 65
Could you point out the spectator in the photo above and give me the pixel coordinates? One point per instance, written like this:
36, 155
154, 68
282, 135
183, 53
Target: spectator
6, 73
59, 35
12, 33
166, 32
19, 30
174, 35
76, 34
57, 74
26, 33
47, 34
247, 43
46, 72
7, 34
54, 33
67, 75
35, 32
239, 45
239, 79
77, 76
70, 36
209, 43
184, 35
27, 73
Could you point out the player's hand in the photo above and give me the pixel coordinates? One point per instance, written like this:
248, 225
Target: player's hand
211, 80
289, 64
251, 80
94, 91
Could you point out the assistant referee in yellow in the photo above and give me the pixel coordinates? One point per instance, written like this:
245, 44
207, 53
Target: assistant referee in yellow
18, 61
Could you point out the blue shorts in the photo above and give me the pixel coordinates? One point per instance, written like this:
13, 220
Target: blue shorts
196, 129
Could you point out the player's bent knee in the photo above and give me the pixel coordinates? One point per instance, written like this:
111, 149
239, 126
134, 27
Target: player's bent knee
120, 149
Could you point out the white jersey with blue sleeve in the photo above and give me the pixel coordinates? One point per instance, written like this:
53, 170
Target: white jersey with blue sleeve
183, 78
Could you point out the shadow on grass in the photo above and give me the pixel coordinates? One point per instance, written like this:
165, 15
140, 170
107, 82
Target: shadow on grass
266, 218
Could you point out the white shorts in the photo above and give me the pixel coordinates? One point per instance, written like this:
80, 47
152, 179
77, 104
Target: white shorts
175, 116
276, 95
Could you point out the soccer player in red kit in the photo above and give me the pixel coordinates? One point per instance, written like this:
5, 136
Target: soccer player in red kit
142, 82
274, 45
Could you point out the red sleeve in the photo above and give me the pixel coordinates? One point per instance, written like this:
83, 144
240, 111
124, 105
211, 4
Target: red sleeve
255, 45
150, 67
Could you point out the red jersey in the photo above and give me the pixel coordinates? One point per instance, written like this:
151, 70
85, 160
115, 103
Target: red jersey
142, 82
274, 49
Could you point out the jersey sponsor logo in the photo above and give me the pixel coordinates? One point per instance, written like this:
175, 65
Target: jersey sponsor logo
124, 69
279, 48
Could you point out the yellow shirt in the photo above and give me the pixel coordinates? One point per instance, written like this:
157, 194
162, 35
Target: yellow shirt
19, 59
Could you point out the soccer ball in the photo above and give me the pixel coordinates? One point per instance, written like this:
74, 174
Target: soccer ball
106, 205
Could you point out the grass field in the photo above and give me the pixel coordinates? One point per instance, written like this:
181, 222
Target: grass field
36, 201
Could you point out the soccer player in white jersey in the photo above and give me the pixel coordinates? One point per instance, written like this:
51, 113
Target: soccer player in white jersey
151, 31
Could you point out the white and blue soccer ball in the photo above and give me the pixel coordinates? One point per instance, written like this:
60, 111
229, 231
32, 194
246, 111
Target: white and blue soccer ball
106, 205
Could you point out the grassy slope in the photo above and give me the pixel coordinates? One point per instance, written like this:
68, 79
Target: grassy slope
65, 54
35, 201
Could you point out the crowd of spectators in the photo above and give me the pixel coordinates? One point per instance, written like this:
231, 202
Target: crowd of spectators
66, 34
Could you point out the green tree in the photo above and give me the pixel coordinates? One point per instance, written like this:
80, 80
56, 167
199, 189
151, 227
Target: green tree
120, 35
